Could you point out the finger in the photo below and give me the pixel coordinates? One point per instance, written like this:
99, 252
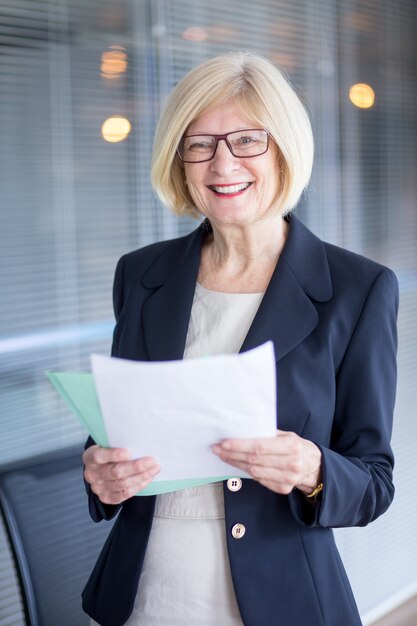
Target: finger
117, 471
274, 468
273, 475
284, 444
261, 446
239, 464
132, 484
98, 455
132, 468
117, 491
263, 474
255, 458
230, 456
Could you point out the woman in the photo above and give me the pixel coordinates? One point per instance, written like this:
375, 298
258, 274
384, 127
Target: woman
234, 145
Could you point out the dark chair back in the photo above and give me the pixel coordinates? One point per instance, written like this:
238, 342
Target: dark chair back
53, 540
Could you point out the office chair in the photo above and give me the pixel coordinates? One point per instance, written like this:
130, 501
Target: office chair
53, 540
11, 605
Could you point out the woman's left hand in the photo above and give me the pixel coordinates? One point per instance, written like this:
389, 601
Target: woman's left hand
279, 463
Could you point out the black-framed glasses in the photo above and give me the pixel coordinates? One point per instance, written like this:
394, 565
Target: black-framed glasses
243, 144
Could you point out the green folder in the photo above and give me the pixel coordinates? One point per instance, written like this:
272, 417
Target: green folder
79, 391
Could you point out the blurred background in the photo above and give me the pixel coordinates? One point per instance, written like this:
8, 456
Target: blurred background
81, 87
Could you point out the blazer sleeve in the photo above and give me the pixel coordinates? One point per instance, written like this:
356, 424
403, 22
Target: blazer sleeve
357, 466
97, 509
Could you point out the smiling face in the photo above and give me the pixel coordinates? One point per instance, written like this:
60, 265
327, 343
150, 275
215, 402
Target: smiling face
228, 189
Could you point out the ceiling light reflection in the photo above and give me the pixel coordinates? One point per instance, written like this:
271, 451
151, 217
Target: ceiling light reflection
195, 33
362, 95
115, 128
113, 62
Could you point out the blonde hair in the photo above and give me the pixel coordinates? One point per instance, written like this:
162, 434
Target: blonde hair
263, 95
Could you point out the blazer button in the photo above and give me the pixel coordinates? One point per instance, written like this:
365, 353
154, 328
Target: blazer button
238, 531
234, 484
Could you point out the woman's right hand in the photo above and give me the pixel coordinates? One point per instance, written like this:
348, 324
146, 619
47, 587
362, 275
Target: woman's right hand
113, 476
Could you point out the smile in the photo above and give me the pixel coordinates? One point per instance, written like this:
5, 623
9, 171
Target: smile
228, 190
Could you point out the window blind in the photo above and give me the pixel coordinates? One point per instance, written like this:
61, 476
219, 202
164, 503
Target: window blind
72, 202
376, 46
68, 201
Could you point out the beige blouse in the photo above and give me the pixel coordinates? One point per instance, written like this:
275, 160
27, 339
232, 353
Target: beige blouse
186, 576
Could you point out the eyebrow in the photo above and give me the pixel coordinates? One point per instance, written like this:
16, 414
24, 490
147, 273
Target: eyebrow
201, 132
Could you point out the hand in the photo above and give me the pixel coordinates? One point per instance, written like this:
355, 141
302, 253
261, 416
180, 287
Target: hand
113, 477
279, 463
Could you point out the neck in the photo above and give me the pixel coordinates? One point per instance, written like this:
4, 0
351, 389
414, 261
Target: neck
244, 245
242, 259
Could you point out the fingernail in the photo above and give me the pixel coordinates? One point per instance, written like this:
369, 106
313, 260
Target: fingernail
216, 449
226, 445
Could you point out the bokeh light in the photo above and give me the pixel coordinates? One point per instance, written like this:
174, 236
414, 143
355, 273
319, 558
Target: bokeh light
195, 33
362, 95
113, 62
115, 128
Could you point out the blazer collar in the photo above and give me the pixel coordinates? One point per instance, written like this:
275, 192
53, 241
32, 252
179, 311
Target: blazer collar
166, 313
286, 315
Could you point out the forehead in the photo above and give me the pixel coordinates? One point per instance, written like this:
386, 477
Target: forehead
222, 119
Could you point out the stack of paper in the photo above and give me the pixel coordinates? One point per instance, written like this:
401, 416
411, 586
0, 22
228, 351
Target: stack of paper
176, 410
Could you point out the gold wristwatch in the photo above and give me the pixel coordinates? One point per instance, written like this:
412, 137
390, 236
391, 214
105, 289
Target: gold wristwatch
313, 495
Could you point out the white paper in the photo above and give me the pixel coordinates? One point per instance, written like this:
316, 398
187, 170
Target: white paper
176, 410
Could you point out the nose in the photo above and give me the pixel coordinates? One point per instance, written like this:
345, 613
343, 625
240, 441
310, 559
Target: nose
223, 161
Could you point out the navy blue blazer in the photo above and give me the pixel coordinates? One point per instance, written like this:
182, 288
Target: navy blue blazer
332, 317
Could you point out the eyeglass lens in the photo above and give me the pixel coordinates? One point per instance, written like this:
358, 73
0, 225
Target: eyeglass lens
241, 143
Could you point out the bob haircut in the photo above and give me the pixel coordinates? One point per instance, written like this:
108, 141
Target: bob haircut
263, 96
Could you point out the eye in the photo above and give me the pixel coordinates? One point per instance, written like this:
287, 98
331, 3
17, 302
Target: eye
195, 144
249, 142
200, 145
246, 140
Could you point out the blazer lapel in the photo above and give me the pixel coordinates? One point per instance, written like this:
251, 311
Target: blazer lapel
166, 313
287, 314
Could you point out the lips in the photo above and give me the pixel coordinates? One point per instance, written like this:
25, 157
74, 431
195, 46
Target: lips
228, 190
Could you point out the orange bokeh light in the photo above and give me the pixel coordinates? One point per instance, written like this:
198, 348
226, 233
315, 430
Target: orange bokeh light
362, 96
113, 62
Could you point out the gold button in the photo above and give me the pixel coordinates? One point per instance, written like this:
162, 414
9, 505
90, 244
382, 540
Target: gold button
234, 484
238, 531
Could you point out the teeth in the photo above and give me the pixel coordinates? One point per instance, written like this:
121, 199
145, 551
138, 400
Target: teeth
230, 188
